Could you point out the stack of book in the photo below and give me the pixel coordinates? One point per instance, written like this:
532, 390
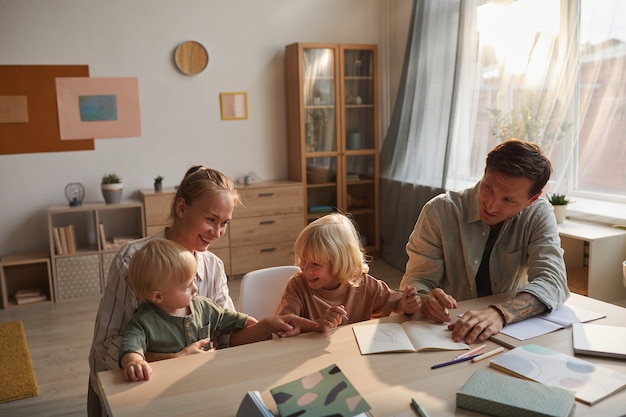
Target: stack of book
64, 240
327, 392
500, 395
29, 296
116, 241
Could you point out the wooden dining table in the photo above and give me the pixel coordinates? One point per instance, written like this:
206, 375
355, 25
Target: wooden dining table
214, 383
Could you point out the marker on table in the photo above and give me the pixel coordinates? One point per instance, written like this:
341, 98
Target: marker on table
325, 304
420, 411
471, 352
488, 354
452, 362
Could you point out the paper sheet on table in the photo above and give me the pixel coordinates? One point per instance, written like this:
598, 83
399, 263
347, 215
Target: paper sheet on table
558, 319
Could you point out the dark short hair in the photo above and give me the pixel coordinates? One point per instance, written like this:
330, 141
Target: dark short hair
519, 158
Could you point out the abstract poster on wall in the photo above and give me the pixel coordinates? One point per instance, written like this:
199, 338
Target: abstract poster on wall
29, 106
13, 109
234, 106
98, 107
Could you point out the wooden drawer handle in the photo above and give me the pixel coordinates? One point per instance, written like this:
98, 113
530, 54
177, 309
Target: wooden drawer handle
268, 250
267, 222
266, 194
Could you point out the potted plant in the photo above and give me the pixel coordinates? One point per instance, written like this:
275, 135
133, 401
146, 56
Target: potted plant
158, 184
112, 188
559, 203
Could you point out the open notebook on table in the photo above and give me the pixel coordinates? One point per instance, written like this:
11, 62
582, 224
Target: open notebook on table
409, 336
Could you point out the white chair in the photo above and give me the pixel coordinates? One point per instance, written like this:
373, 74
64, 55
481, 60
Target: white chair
261, 290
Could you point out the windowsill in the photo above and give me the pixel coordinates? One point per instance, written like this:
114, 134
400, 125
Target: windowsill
605, 212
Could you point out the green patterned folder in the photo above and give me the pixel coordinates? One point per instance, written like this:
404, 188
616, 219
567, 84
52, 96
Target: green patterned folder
324, 393
501, 395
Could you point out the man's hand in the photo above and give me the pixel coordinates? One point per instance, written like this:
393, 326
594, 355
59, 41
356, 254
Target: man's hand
436, 306
476, 325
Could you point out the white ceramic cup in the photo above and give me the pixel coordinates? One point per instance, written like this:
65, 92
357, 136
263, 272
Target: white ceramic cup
624, 271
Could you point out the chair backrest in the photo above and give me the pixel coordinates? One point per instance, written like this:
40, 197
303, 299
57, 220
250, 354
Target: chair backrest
261, 290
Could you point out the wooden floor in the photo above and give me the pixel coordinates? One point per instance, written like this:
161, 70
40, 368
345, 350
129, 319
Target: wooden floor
59, 337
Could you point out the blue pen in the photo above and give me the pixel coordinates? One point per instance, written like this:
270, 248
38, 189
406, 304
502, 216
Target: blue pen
419, 408
452, 362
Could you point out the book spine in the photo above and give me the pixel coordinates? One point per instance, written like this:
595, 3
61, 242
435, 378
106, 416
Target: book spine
57, 241
492, 408
63, 237
72, 238
103, 239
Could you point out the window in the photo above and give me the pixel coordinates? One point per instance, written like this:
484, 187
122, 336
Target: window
548, 76
601, 163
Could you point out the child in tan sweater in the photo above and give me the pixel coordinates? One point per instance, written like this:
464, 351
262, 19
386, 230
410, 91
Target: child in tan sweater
334, 287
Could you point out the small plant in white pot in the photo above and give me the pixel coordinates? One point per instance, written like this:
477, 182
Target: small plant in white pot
112, 188
559, 203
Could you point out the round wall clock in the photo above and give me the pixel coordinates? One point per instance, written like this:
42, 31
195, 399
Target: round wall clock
191, 57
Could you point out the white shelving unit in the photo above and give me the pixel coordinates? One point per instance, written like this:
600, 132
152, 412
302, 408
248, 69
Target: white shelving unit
593, 257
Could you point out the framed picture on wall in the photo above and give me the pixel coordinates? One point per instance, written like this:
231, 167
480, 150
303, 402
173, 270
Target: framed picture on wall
234, 105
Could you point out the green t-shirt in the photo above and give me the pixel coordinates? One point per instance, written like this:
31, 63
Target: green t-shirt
151, 329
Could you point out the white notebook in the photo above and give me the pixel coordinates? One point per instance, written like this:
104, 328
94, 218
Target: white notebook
409, 336
599, 340
549, 322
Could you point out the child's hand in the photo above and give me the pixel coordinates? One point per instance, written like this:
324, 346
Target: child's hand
333, 317
409, 303
290, 324
201, 346
137, 370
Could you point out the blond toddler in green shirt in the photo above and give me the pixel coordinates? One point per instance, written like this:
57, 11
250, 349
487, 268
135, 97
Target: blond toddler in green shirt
172, 316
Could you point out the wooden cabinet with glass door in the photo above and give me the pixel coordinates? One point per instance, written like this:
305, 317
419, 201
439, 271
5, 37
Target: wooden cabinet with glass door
332, 122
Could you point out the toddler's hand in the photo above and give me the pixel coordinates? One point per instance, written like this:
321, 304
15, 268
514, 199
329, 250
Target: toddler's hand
138, 370
201, 346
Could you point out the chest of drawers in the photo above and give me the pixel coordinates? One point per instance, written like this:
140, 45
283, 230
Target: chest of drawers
262, 231
265, 227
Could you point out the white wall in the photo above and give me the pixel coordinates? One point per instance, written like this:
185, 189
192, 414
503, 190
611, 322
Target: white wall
180, 115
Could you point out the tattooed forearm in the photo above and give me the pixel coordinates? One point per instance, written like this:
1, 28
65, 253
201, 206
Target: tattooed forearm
524, 305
